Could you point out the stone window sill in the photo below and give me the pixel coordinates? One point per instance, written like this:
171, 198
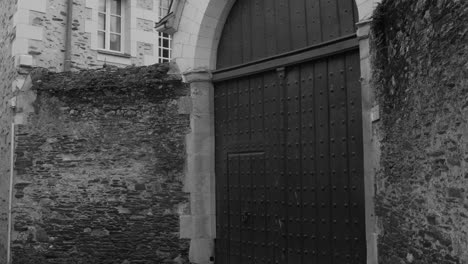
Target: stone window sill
112, 53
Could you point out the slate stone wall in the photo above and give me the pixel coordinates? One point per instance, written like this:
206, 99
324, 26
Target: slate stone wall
420, 57
50, 52
99, 168
7, 74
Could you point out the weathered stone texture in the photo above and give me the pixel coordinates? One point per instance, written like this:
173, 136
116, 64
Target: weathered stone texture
7, 74
145, 4
99, 169
143, 49
50, 53
145, 24
421, 70
83, 57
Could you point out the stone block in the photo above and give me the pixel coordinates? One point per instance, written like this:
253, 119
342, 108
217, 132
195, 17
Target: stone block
29, 32
202, 94
201, 75
149, 60
202, 203
21, 16
108, 58
366, 8
36, 5
92, 4
202, 123
200, 164
186, 227
200, 143
19, 46
17, 84
184, 105
202, 62
202, 226
201, 251
25, 60
203, 183
364, 48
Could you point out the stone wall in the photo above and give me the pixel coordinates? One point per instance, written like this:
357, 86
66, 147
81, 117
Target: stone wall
7, 74
42, 31
98, 169
420, 61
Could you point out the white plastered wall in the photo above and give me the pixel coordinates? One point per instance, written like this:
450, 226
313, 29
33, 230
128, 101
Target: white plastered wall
194, 51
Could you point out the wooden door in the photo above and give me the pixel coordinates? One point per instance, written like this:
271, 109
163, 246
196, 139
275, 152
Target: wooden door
288, 133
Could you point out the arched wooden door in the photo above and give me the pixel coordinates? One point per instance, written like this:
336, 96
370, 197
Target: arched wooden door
288, 131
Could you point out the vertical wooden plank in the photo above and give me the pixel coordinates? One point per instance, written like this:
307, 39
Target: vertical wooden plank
355, 12
338, 157
283, 38
355, 153
283, 180
293, 166
270, 28
234, 206
235, 46
225, 46
218, 247
314, 23
298, 24
308, 166
256, 109
258, 29
234, 111
221, 60
272, 134
322, 154
222, 190
330, 19
245, 208
244, 112
233, 178
259, 209
347, 24
246, 17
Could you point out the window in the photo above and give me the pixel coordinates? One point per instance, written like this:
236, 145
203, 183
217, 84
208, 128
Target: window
164, 47
110, 25
164, 7
165, 40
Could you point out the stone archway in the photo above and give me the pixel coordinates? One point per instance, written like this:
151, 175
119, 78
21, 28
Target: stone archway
194, 51
195, 43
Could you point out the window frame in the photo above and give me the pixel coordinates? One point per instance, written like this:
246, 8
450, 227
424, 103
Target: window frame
163, 11
162, 48
107, 27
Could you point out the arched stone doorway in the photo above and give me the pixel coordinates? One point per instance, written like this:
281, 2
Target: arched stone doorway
195, 52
